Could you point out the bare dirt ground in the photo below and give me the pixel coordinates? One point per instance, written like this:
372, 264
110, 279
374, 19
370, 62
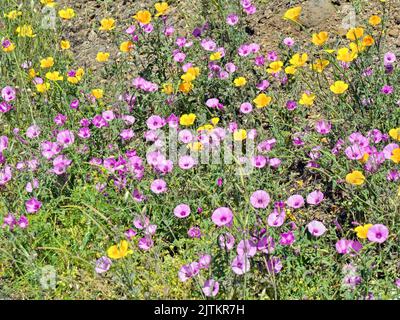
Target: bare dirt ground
265, 26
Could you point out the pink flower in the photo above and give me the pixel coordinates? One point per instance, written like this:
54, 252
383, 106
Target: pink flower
103, 264
274, 162
260, 199
60, 119
258, 161
194, 232
158, 186
266, 244
33, 205
226, 241
182, 210
8, 94
208, 45
323, 127
344, 246
141, 222
286, 238
246, 248
23, 222
240, 265
276, 218
316, 228
246, 107
188, 271
65, 138
315, 197
296, 201
210, 288
230, 67
388, 150
389, 58
3, 143
108, 115
185, 136
127, 134
130, 233
378, 233
232, 19
288, 42
204, 261
145, 243
155, 122
222, 216
5, 175
33, 132
274, 264
213, 103
186, 162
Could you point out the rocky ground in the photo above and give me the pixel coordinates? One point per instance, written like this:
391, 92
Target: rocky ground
266, 25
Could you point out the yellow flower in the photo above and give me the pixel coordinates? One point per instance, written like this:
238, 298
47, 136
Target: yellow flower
262, 100
98, 93
395, 155
292, 14
355, 178
12, 15
355, 33
65, 45
206, 127
126, 46
119, 251
143, 16
299, 60
215, 121
195, 146
188, 77
239, 135
161, 8
10, 48
107, 24
43, 87
47, 63
307, 99
364, 158
185, 87
77, 77
374, 20
215, 56
320, 38
395, 133
362, 231
195, 71
32, 73
345, 55
339, 87
102, 56
368, 41
25, 31
290, 70
319, 65
66, 14
275, 67
187, 119
49, 3
167, 88
240, 81
54, 76
356, 47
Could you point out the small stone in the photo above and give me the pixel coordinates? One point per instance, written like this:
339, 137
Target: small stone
317, 12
